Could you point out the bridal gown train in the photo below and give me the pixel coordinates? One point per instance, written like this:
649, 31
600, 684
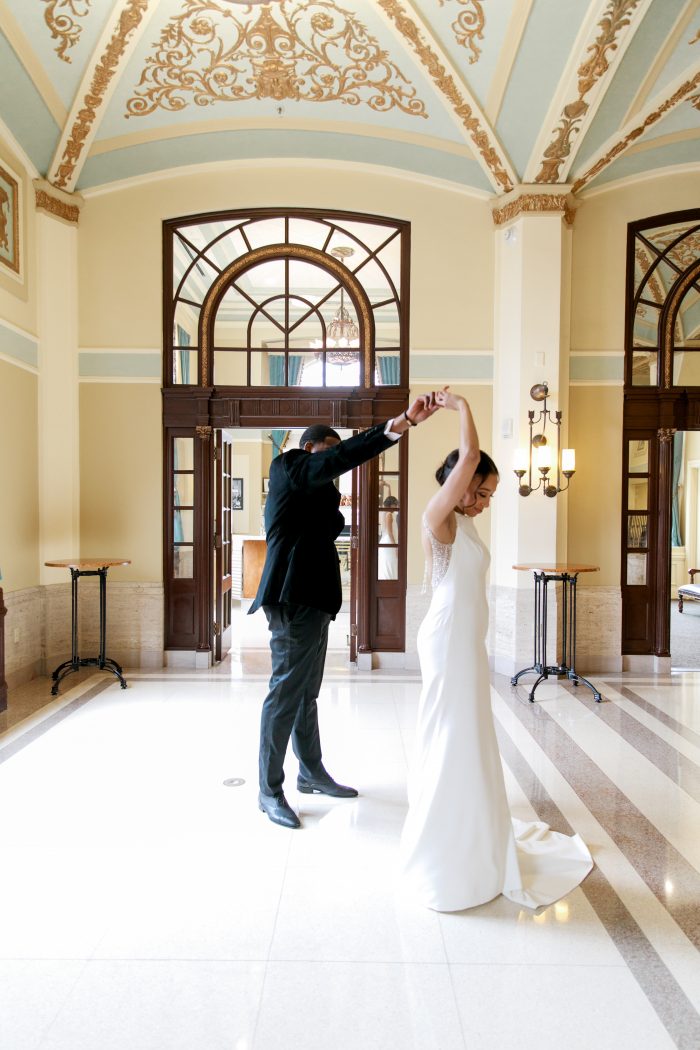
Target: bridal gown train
460, 847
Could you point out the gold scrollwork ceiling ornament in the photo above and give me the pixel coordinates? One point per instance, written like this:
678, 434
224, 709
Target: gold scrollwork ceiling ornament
695, 100
618, 15
61, 17
306, 51
468, 27
129, 20
445, 83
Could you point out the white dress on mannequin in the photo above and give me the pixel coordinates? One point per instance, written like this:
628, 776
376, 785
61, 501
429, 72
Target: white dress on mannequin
460, 847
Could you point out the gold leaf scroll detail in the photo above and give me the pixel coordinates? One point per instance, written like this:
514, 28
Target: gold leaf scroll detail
616, 17
311, 52
60, 16
635, 133
447, 86
129, 21
695, 100
535, 202
469, 27
45, 202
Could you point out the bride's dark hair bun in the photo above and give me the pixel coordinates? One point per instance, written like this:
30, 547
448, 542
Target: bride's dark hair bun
485, 468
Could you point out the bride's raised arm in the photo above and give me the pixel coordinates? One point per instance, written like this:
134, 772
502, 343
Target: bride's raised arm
439, 510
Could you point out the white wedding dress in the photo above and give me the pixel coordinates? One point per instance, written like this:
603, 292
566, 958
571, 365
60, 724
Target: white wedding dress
460, 847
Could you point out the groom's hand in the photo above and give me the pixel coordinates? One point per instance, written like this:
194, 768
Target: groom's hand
423, 407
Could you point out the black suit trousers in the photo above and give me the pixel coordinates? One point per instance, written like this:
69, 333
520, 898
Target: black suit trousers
298, 642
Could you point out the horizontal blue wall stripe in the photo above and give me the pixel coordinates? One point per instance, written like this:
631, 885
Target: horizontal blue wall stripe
597, 368
20, 347
451, 366
120, 365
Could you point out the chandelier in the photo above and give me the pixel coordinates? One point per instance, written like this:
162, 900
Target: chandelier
540, 452
343, 334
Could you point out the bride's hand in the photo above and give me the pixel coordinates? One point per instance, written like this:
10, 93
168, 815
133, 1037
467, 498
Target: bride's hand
446, 399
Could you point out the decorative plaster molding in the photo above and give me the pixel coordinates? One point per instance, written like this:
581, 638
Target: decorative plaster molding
617, 16
310, 52
63, 24
637, 130
538, 203
469, 26
64, 172
477, 127
54, 201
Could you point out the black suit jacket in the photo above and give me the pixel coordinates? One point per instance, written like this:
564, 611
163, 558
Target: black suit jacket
302, 521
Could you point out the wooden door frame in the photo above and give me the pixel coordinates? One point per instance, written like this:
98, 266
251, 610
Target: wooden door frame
654, 414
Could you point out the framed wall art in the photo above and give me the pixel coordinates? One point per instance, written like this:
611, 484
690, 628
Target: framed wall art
236, 493
9, 222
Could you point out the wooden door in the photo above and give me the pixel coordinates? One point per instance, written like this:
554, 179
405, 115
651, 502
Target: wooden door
222, 544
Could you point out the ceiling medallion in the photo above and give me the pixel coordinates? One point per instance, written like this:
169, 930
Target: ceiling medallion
60, 16
617, 16
469, 27
289, 49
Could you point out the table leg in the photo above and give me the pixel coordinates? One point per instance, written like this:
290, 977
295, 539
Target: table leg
103, 662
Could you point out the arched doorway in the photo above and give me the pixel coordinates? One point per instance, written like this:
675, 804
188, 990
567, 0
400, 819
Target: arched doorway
661, 399
277, 319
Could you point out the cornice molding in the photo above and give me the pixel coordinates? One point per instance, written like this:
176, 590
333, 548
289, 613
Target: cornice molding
534, 200
55, 202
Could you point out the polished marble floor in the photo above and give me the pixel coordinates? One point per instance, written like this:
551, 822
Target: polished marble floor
148, 905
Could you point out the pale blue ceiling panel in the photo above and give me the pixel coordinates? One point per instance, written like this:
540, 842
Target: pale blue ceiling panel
24, 111
635, 65
222, 146
544, 52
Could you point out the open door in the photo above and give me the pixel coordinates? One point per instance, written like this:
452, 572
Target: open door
222, 545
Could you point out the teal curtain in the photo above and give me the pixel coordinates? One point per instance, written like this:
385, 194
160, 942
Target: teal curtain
676, 540
388, 369
183, 339
277, 379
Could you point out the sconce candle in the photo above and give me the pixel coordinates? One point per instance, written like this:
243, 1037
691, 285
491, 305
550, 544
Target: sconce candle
542, 455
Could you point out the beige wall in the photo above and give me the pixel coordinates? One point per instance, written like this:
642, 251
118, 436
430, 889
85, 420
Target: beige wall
19, 519
121, 477
595, 431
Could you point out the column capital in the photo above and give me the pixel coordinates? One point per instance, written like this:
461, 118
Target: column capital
532, 199
56, 202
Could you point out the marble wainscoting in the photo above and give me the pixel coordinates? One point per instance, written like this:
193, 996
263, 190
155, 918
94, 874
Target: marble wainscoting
38, 626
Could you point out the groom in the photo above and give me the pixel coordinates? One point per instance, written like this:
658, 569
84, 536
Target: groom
300, 592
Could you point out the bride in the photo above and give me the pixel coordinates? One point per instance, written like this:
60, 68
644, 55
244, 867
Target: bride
460, 847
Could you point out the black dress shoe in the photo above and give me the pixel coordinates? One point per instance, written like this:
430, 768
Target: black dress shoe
278, 810
324, 785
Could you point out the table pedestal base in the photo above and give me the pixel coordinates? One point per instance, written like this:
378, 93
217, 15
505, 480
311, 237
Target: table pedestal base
565, 668
76, 662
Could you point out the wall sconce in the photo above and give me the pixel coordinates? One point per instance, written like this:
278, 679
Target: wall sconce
540, 453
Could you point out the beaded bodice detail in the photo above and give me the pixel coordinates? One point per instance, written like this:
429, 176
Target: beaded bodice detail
439, 562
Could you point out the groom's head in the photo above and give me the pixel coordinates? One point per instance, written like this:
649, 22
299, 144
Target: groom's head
318, 437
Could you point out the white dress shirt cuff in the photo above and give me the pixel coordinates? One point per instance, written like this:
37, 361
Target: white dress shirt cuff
390, 433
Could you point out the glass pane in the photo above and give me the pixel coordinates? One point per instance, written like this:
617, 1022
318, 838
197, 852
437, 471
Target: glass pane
182, 563
388, 489
389, 523
265, 231
389, 459
375, 282
222, 251
388, 367
387, 330
638, 494
268, 327
687, 332
306, 231
309, 281
183, 526
185, 365
183, 458
198, 279
231, 321
686, 368
184, 490
646, 324
637, 530
636, 570
638, 457
643, 368
186, 318
230, 368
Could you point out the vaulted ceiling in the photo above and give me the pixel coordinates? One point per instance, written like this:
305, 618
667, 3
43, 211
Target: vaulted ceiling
482, 94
